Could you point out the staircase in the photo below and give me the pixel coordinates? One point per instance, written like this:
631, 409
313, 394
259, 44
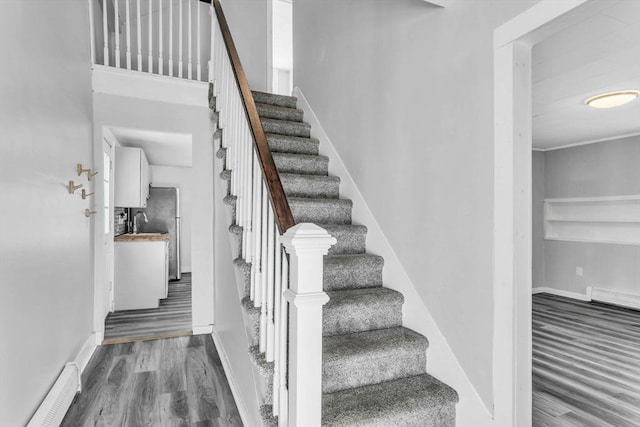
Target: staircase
374, 369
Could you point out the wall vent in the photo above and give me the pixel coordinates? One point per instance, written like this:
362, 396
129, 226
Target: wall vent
55, 405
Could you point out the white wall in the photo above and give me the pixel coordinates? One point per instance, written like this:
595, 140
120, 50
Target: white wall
609, 168
537, 234
46, 274
182, 178
404, 90
121, 111
249, 27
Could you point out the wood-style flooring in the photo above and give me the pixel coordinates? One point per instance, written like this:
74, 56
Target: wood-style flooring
171, 318
168, 382
586, 363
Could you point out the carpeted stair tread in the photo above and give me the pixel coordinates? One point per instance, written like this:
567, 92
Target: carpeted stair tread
370, 357
300, 185
284, 127
374, 369
253, 313
273, 99
417, 401
269, 111
350, 271
301, 163
292, 144
265, 368
266, 414
357, 310
321, 210
351, 239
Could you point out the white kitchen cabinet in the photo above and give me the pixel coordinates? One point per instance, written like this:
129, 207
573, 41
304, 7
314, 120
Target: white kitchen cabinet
141, 273
131, 176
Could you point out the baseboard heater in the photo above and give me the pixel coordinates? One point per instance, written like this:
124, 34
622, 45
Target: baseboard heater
55, 405
614, 297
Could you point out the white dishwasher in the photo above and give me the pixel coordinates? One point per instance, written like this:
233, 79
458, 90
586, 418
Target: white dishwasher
140, 271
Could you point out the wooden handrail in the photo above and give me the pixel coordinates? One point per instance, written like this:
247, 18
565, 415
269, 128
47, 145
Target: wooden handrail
284, 216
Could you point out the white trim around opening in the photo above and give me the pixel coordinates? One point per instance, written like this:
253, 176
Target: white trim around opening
512, 242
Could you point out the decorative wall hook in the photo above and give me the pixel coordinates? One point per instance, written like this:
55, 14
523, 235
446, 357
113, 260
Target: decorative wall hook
88, 212
89, 173
73, 187
85, 194
80, 170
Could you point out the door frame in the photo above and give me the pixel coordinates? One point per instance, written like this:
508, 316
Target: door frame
512, 240
102, 294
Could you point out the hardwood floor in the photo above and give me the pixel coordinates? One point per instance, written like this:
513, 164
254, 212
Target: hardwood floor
169, 382
586, 363
172, 318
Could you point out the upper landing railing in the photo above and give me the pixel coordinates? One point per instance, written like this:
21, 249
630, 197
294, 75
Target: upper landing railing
164, 37
190, 39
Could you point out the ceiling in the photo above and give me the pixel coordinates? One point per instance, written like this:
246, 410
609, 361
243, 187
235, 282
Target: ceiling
599, 54
161, 148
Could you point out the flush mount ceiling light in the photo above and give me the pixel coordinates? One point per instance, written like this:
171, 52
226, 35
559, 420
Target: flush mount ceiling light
612, 99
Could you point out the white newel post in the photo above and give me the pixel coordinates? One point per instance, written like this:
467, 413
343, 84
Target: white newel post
306, 244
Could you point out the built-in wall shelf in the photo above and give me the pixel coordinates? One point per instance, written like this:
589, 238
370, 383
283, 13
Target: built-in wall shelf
614, 220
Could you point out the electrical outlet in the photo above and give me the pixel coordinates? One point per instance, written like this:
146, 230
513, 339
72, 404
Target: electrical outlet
578, 271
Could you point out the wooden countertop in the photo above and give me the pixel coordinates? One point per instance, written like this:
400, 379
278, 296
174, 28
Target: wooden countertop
143, 237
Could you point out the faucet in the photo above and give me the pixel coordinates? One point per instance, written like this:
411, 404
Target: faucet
135, 221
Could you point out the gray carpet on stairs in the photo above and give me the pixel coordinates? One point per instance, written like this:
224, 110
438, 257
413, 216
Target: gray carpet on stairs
374, 369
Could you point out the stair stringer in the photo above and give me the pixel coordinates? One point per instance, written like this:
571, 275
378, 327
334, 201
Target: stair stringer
443, 364
248, 393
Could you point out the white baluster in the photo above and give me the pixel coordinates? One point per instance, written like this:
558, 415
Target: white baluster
257, 236
180, 42
230, 129
306, 245
171, 38
128, 17
150, 56
222, 118
189, 65
263, 271
160, 56
199, 71
270, 285
241, 180
210, 73
277, 319
248, 179
92, 34
116, 18
139, 27
283, 394
105, 32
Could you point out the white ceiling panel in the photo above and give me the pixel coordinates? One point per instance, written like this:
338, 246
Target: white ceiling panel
596, 55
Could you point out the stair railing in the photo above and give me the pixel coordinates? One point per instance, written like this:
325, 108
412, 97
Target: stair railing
162, 37
286, 259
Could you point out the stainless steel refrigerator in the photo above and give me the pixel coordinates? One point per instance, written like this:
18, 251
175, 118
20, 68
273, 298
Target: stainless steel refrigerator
163, 213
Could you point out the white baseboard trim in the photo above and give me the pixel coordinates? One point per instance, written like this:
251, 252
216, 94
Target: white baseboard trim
560, 293
202, 329
614, 297
59, 398
87, 350
231, 379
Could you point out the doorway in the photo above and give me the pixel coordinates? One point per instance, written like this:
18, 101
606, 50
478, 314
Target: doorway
512, 238
282, 47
